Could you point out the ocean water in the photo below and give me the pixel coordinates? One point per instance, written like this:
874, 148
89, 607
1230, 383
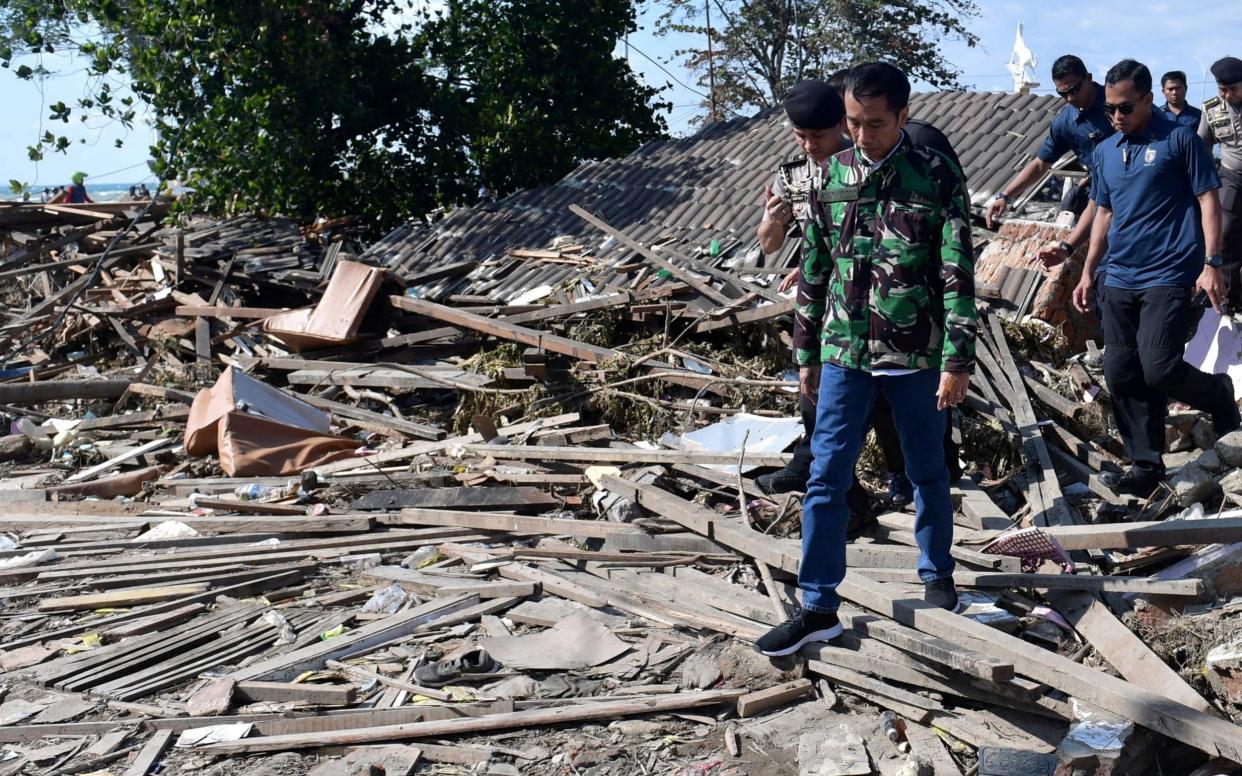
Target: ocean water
100, 192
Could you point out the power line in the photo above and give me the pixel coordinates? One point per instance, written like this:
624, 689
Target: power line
685, 85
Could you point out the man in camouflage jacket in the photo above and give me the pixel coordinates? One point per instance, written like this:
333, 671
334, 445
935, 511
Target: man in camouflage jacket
885, 307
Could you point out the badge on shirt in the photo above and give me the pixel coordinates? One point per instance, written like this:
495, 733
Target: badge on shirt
1149, 158
842, 194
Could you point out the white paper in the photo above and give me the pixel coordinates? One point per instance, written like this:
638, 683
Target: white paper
213, 734
1216, 348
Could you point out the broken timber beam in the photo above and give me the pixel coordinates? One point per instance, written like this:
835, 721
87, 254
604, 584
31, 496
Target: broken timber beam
625, 455
683, 275
491, 722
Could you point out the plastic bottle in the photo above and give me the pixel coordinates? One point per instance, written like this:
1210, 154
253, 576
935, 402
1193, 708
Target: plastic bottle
895, 729
423, 556
253, 492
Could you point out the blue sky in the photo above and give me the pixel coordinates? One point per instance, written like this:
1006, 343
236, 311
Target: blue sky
1163, 35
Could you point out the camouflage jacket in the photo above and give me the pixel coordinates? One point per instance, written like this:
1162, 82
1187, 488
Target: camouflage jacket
887, 277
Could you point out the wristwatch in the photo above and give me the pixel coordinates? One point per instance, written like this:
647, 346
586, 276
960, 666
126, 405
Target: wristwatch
1065, 246
1001, 195
1213, 261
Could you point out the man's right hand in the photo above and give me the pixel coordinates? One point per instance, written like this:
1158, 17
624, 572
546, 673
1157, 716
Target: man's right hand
1051, 255
995, 208
778, 209
808, 383
1082, 294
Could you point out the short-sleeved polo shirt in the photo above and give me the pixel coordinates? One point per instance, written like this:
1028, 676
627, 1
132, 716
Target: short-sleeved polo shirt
1151, 183
1078, 131
1189, 117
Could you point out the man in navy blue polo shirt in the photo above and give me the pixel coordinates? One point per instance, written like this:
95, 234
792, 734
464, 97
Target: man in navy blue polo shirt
1161, 248
1175, 108
1079, 126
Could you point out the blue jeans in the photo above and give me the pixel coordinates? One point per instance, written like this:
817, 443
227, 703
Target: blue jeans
846, 397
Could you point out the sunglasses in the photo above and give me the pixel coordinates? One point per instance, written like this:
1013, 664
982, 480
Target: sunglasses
1125, 108
1070, 92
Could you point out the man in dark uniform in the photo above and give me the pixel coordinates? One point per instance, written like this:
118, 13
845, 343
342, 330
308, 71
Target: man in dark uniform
1158, 215
1078, 127
1175, 108
1220, 124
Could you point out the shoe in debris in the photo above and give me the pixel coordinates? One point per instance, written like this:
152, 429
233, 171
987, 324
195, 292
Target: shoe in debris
942, 593
782, 481
438, 674
798, 631
1134, 481
900, 490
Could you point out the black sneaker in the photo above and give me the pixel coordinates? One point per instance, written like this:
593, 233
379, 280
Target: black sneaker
942, 593
900, 490
1135, 481
782, 481
476, 661
1230, 419
798, 631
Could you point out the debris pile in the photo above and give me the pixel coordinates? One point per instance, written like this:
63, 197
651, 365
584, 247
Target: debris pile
269, 505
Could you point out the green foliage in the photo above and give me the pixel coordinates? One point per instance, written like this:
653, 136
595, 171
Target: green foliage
762, 47
376, 107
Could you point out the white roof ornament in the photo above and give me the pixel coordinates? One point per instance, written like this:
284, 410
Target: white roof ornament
1021, 62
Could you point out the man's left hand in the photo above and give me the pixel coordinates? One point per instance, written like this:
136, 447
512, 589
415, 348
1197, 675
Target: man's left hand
789, 282
1212, 282
952, 389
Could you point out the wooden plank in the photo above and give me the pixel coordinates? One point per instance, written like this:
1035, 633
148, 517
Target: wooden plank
785, 555
763, 312
493, 722
376, 420
1169, 533
770, 698
983, 579
683, 275
150, 755
288, 666
370, 463
61, 390
288, 692
533, 316
428, 584
625, 455
242, 589
220, 311
1204, 731
111, 463
120, 598
517, 498
514, 524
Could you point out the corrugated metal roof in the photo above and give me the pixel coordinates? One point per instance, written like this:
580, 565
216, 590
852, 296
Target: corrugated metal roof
696, 189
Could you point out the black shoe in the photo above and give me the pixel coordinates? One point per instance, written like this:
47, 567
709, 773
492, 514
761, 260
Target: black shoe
798, 631
782, 481
476, 661
1135, 481
1230, 419
900, 490
942, 593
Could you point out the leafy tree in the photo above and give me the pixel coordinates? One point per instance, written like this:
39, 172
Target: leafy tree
378, 107
539, 86
762, 47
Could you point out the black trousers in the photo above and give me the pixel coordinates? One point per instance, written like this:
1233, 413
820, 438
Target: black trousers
885, 433
1231, 232
1145, 337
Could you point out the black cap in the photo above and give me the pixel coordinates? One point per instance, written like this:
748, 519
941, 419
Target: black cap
1228, 70
814, 104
